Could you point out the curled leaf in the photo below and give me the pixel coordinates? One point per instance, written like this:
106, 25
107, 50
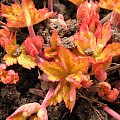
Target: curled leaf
24, 111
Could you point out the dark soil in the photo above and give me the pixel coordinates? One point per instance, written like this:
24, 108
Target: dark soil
28, 89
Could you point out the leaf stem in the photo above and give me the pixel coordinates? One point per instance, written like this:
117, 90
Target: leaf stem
111, 112
46, 101
50, 5
31, 31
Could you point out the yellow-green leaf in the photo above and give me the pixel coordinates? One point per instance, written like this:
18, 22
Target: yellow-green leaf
54, 70
9, 60
66, 57
26, 60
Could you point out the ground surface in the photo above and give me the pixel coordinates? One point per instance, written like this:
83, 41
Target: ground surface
28, 89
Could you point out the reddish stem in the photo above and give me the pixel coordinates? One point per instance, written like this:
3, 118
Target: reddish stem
31, 31
46, 101
50, 5
111, 112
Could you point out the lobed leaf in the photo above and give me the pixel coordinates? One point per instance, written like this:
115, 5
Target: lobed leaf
23, 15
66, 58
26, 60
54, 70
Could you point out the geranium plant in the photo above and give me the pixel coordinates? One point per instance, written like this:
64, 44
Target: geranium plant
66, 70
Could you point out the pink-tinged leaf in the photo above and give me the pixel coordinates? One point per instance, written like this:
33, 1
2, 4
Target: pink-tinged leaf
102, 65
86, 82
100, 75
105, 35
66, 58
30, 48
69, 95
24, 111
54, 70
37, 42
75, 79
86, 10
33, 45
115, 18
42, 114
111, 50
4, 36
112, 95
10, 77
2, 66
103, 88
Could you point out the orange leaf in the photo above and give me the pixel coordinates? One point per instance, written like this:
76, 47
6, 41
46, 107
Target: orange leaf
76, 2
66, 58
53, 50
105, 35
86, 40
54, 70
110, 4
80, 64
111, 50
24, 15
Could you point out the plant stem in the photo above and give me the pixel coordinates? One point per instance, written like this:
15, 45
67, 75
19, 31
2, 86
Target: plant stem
44, 3
50, 5
106, 18
31, 31
111, 112
46, 101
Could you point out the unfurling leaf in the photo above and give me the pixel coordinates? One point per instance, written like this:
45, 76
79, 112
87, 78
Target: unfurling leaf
33, 45
9, 76
42, 114
24, 111
104, 91
100, 75
112, 95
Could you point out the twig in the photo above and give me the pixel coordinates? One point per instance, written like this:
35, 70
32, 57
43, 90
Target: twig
104, 106
107, 17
